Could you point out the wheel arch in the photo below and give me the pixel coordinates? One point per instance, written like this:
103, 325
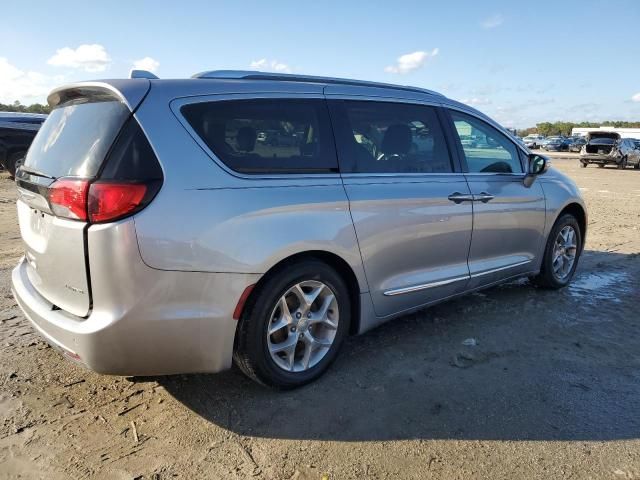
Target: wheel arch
334, 261
580, 215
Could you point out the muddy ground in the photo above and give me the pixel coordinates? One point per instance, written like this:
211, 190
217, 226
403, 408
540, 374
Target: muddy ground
551, 390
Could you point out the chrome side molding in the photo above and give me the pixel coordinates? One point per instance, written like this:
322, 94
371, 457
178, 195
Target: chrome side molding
424, 286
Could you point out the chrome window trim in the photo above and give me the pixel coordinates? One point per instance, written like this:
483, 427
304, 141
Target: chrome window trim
383, 98
407, 175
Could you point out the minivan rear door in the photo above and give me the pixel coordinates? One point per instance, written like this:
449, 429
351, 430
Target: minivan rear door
410, 205
69, 149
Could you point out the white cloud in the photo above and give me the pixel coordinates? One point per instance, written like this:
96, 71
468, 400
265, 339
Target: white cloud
636, 97
90, 58
26, 87
410, 61
146, 63
475, 101
493, 21
270, 66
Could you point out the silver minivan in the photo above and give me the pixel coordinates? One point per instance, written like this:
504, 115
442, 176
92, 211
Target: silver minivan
173, 226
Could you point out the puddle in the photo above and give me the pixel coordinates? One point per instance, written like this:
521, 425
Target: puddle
600, 286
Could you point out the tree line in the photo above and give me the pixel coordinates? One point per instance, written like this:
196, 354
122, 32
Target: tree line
18, 107
564, 128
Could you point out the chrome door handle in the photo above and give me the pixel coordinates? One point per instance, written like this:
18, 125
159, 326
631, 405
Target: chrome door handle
458, 197
483, 197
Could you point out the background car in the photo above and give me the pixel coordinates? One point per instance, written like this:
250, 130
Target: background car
556, 144
576, 144
533, 141
607, 148
16, 134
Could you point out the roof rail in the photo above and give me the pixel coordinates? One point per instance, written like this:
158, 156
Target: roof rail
288, 77
136, 73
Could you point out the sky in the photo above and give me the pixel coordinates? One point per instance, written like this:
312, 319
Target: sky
519, 62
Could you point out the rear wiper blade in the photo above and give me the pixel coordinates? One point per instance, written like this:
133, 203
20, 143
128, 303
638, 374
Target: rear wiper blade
37, 173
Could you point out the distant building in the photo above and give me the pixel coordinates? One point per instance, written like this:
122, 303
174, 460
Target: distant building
624, 132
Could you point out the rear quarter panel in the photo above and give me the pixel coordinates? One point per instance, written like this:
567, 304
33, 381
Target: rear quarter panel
209, 219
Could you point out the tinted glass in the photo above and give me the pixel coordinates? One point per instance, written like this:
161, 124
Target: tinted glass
486, 150
602, 141
385, 137
132, 158
266, 136
74, 139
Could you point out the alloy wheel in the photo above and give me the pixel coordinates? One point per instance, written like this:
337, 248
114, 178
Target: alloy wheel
303, 326
564, 252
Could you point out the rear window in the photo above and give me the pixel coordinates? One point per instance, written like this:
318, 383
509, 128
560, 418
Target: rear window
602, 141
266, 135
75, 138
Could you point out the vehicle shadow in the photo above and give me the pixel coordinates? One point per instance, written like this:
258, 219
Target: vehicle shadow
547, 365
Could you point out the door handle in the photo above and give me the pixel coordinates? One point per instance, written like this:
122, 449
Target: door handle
458, 197
483, 197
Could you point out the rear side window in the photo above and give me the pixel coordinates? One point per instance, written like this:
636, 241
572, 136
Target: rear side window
132, 159
75, 138
385, 137
486, 150
266, 135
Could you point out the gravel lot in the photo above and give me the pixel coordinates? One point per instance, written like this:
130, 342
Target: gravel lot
551, 390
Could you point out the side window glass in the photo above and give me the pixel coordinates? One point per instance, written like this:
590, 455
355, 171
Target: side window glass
486, 150
386, 137
266, 135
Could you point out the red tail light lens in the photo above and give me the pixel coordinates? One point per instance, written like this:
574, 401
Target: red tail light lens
109, 201
68, 198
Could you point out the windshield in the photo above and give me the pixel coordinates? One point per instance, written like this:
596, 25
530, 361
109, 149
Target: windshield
75, 138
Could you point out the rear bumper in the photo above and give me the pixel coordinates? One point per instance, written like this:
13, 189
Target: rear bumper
144, 321
601, 159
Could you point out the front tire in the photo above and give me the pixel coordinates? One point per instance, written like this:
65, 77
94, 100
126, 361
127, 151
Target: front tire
561, 254
292, 330
14, 161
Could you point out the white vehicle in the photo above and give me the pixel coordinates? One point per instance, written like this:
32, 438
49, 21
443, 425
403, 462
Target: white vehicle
533, 141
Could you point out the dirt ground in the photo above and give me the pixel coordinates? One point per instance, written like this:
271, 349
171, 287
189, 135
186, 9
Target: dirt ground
550, 390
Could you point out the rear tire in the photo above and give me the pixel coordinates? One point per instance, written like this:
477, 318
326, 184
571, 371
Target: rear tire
601, 165
623, 164
583, 165
259, 351
549, 277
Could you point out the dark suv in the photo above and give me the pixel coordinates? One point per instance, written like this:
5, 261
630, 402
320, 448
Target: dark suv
16, 134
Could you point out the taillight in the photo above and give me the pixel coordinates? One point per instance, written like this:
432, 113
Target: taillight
98, 202
109, 201
68, 198
131, 176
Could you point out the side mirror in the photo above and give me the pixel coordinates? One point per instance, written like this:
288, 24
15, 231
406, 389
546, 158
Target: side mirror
537, 164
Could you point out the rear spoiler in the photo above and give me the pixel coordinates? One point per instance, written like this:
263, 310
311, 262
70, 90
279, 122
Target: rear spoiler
130, 91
